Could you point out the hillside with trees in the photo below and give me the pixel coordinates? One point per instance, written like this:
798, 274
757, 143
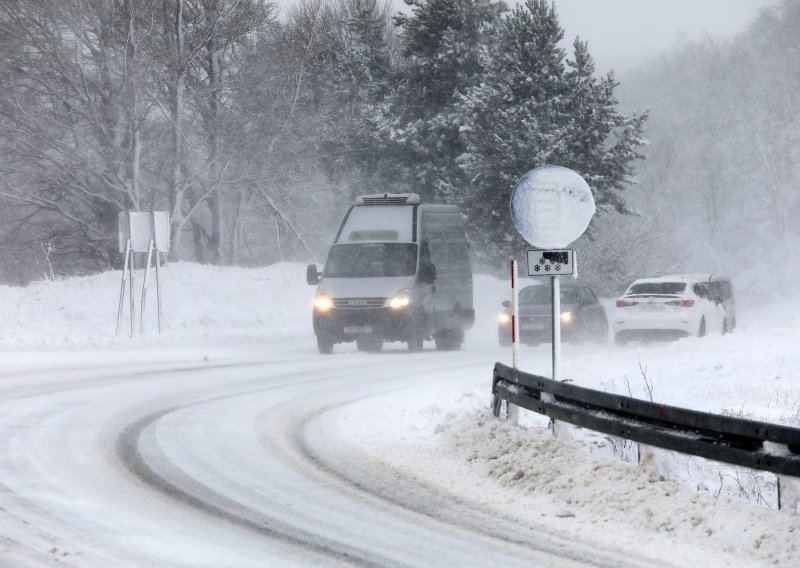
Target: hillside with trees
255, 132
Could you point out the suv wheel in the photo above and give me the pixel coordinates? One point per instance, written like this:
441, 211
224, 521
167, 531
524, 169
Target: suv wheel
702, 331
325, 345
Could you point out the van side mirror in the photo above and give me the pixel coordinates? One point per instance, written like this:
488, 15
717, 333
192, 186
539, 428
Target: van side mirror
506, 303
312, 275
427, 272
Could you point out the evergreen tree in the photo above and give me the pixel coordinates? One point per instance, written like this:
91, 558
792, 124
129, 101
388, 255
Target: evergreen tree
441, 43
535, 107
358, 80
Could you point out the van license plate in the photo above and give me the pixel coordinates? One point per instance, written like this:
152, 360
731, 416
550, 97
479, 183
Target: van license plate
532, 326
358, 329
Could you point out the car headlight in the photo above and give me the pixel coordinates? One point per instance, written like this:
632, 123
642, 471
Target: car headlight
400, 300
503, 317
322, 303
566, 317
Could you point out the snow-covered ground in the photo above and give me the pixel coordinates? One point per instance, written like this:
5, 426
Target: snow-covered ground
443, 434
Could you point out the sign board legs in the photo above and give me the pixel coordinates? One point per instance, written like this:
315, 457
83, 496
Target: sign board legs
158, 290
132, 298
144, 286
141, 232
127, 278
122, 286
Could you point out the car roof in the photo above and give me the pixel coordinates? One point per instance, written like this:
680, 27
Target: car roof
563, 285
680, 278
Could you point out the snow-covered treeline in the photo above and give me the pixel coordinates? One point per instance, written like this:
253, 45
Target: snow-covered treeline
719, 190
255, 132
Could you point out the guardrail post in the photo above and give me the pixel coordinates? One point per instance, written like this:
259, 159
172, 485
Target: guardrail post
789, 494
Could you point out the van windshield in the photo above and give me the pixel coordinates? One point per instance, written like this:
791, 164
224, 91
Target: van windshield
366, 260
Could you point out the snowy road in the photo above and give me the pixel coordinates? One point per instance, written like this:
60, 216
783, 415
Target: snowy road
178, 457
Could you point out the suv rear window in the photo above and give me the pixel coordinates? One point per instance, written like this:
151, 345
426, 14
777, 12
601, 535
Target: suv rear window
657, 289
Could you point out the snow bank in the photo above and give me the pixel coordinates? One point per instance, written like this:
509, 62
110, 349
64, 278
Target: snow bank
199, 302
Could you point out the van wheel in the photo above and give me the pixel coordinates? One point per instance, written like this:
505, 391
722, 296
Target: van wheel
416, 339
449, 340
369, 345
724, 327
325, 345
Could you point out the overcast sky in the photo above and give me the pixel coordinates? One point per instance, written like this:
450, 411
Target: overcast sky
626, 33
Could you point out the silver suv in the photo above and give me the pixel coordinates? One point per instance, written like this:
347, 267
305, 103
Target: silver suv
721, 289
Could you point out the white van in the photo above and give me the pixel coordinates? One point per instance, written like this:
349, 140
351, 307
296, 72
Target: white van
399, 270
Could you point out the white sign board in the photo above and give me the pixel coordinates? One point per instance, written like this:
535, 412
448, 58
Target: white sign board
560, 262
142, 227
551, 206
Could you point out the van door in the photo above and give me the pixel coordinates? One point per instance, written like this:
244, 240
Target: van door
450, 253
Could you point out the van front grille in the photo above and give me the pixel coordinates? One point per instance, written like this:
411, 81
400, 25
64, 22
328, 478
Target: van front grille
358, 303
390, 200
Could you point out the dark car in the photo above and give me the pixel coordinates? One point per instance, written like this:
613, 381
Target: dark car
582, 316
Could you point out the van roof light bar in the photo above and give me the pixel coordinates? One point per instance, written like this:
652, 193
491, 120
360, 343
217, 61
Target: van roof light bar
388, 199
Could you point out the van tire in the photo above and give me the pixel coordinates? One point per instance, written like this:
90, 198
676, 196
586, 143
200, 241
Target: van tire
416, 339
369, 345
449, 340
325, 345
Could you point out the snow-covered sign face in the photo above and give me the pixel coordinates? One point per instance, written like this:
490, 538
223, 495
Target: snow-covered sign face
551, 206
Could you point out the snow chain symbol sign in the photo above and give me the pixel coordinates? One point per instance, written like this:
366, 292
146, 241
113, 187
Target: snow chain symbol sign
551, 262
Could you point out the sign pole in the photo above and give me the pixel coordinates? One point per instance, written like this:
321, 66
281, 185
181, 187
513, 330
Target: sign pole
556, 290
514, 316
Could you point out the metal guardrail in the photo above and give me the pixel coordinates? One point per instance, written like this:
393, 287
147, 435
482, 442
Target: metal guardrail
726, 439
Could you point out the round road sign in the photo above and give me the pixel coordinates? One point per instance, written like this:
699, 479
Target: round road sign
551, 206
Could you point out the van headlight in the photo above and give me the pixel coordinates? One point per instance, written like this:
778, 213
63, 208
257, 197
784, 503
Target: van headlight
322, 303
400, 300
503, 318
566, 317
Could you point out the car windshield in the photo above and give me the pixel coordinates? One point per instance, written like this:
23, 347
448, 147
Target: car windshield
657, 289
542, 294
366, 260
